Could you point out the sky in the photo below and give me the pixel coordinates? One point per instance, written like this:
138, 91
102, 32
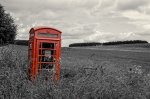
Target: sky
83, 20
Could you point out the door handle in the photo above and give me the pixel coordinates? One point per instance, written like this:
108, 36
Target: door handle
59, 60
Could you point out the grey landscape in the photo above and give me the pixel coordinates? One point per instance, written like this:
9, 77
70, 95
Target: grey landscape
101, 72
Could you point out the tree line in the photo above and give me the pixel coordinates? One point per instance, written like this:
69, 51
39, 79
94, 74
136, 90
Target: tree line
7, 27
107, 43
125, 42
25, 42
21, 42
85, 44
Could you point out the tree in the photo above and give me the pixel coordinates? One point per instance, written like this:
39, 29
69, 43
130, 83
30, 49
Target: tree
7, 27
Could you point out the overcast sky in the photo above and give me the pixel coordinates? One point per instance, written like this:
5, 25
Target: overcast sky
83, 20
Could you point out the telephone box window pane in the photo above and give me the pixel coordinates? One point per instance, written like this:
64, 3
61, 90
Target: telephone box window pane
46, 56
47, 66
48, 45
47, 35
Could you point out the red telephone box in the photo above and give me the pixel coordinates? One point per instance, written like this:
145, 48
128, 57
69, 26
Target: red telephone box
44, 51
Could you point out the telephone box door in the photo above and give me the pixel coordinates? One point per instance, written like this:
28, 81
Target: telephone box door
48, 57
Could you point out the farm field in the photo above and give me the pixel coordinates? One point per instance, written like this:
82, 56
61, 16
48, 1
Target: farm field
86, 73
113, 57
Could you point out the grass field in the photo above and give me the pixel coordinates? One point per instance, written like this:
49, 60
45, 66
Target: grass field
110, 72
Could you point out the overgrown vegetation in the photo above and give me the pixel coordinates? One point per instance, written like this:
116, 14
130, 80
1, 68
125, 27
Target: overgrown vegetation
7, 27
107, 43
93, 82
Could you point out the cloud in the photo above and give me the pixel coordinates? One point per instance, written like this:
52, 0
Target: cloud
83, 20
132, 4
144, 33
135, 15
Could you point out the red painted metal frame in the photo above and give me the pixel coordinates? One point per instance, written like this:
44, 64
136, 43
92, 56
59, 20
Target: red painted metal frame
33, 50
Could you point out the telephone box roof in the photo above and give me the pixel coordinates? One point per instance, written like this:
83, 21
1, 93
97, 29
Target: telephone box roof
43, 27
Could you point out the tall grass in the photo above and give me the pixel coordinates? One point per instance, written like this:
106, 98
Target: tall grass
96, 82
